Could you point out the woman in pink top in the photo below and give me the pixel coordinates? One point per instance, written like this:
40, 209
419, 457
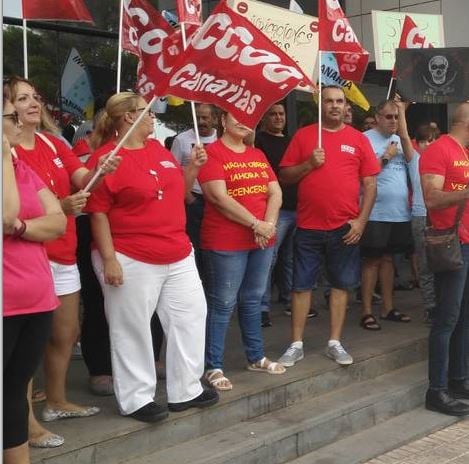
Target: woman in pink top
31, 215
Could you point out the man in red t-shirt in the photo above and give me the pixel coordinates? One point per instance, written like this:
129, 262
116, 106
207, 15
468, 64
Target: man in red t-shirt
444, 169
330, 218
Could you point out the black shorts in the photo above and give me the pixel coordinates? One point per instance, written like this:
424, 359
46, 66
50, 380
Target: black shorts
386, 238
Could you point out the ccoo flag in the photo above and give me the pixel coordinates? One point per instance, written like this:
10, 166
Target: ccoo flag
433, 75
56, 10
77, 96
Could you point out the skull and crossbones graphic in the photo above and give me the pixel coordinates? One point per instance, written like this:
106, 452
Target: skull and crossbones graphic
438, 67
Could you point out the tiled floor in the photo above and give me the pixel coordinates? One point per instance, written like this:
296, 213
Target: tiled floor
450, 445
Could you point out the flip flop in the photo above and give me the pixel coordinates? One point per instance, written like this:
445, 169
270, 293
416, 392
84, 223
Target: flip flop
395, 316
369, 322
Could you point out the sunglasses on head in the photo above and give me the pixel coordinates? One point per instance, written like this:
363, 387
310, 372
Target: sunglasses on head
13, 116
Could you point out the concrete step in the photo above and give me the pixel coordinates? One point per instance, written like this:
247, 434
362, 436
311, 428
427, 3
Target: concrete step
377, 440
311, 424
109, 438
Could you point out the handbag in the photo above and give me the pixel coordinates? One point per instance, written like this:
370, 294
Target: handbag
442, 246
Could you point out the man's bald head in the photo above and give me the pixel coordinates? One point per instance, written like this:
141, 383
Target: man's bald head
461, 114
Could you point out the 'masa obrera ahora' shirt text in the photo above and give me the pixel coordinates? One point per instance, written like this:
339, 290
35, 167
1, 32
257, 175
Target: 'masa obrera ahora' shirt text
144, 203
445, 157
247, 176
27, 280
329, 196
55, 170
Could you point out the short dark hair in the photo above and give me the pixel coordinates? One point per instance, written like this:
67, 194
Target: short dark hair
383, 105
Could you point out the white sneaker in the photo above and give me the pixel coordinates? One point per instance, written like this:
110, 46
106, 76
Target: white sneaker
339, 355
291, 356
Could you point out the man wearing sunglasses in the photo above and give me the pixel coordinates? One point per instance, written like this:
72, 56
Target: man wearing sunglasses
389, 228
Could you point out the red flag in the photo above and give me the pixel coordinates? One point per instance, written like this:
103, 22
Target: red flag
336, 35
231, 64
189, 11
56, 10
411, 37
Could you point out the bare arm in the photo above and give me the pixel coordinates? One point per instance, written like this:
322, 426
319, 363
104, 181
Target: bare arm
102, 236
435, 198
49, 226
82, 176
273, 203
358, 225
403, 133
11, 198
191, 171
215, 192
293, 174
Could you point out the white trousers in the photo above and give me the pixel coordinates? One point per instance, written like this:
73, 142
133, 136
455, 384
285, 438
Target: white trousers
176, 292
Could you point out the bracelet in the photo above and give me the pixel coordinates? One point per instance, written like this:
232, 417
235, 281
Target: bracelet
19, 231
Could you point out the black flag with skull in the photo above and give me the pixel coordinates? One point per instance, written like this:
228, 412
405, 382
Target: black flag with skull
433, 75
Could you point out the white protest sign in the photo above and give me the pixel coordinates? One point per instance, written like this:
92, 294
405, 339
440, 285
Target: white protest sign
387, 28
295, 34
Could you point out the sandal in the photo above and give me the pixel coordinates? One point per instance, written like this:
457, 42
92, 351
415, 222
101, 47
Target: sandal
38, 396
267, 366
216, 379
395, 316
369, 322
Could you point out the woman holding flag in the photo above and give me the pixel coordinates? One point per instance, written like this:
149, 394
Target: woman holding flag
145, 262
63, 174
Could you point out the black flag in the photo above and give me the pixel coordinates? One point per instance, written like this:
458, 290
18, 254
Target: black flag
433, 75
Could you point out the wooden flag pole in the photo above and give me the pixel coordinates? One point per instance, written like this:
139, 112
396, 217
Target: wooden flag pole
119, 48
194, 116
25, 50
388, 96
113, 153
320, 103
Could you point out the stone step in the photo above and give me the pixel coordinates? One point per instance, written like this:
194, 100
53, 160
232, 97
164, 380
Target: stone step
379, 439
311, 424
109, 438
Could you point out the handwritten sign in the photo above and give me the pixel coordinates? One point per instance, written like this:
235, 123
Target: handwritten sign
387, 28
295, 34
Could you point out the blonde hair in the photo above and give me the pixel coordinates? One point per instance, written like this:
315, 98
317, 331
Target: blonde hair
110, 119
10, 88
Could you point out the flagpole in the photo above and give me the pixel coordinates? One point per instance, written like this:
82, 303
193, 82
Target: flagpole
25, 50
194, 116
120, 144
388, 96
119, 48
320, 103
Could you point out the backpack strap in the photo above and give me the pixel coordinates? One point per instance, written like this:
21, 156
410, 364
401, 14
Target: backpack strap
47, 141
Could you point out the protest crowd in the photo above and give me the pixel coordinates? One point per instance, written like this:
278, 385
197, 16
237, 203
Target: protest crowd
163, 243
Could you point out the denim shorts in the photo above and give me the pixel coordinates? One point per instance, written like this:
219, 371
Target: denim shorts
314, 248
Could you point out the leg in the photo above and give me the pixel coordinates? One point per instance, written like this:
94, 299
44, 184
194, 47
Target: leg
301, 302
58, 351
338, 309
195, 214
249, 302
284, 268
370, 271
182, 310
157, 336
17, 455
129, 309
224, 272
386, 278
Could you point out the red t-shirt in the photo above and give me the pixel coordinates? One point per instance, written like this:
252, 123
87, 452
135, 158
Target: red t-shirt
143, 227
445, 157
247, 176
55, 170
329, 196
27, 280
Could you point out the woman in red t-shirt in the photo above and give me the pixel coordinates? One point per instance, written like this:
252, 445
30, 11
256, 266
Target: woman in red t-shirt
243, 199
145, 262
31, 215
58, 167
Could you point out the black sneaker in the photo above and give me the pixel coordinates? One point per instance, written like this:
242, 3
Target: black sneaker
207, 398
151, 412
266, 322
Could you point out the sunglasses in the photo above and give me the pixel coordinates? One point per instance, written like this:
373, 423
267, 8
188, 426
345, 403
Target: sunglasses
390, 116
13, 116
151, 113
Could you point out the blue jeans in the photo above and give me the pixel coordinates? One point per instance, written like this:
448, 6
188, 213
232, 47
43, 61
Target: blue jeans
448, 356
283, 250
235, 278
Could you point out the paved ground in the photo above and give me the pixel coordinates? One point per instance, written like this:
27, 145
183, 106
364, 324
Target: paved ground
449, 445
